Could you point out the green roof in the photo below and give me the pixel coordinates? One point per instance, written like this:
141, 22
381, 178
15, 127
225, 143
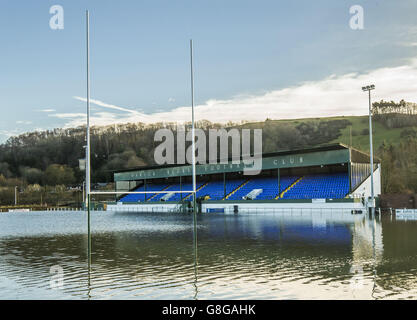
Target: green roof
322, 155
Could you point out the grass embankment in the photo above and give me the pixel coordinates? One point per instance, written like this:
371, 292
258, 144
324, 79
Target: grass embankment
356, 134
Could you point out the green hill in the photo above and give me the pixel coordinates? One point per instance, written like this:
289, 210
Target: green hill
355, 133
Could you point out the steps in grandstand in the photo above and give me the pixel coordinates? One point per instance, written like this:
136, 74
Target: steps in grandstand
231, 193
154, 195
159, 196
289, 188
218, 189
197, 190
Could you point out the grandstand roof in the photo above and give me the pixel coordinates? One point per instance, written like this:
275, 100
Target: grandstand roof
322, 155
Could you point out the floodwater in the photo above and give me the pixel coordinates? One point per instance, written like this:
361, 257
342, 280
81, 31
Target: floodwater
43, 255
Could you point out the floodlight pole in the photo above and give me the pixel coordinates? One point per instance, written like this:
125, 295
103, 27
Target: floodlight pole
192, 126
87, 158
371, 151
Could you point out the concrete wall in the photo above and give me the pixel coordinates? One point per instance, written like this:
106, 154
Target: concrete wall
228, 207
166, 207
284, 207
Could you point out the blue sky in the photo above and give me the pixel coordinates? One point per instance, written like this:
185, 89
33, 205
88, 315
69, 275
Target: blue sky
283, 59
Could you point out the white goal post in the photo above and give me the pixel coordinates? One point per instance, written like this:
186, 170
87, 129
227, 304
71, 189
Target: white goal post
138, 192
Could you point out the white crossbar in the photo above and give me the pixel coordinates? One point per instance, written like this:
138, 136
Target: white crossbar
136, 192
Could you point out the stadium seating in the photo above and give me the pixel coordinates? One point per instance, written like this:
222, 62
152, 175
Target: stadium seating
320, 186
334, 186
268, 185
185, 186
215, 189
141, 197
172, 187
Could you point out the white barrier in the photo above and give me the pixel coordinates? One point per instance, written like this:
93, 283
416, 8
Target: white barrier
405, 211
406, 214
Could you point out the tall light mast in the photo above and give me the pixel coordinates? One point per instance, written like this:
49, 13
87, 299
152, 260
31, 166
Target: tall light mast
371, 149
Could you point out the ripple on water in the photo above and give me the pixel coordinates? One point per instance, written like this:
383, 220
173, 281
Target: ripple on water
150, 256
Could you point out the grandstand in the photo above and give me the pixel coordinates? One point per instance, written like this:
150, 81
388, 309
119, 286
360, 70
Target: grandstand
322, 177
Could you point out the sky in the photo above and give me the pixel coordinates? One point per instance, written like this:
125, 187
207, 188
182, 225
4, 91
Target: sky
252, 60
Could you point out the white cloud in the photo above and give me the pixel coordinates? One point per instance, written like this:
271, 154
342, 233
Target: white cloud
23, 122
47, 110
16, 132
332, 96
67, 115
9, 134
171, 99
408, 44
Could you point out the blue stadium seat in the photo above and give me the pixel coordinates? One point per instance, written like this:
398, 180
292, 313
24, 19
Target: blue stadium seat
268, 185
184, 187
141, 197
158, 196
215, 189
320, 186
